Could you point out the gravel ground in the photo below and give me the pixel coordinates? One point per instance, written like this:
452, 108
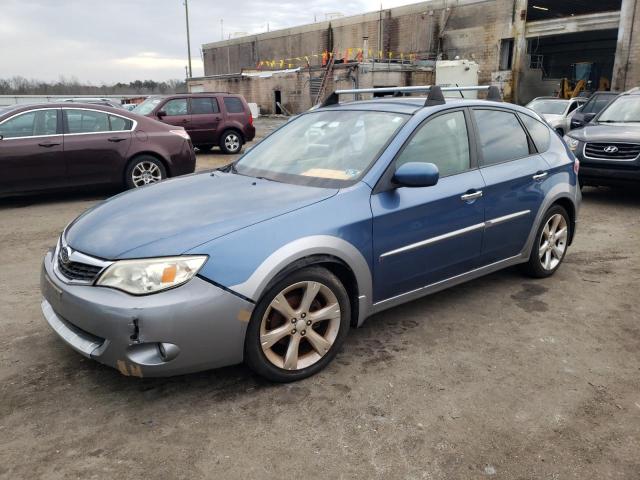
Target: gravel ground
504, 377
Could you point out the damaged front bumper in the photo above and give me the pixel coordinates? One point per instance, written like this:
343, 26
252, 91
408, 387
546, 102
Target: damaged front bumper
196, 326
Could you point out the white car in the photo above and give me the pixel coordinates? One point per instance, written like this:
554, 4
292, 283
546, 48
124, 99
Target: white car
557, 111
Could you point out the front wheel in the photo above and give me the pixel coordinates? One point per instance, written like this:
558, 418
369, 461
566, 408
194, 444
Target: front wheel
298, 326
144, 170
230, 142
552, 240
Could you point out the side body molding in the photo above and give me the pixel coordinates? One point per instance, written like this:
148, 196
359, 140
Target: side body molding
256, 284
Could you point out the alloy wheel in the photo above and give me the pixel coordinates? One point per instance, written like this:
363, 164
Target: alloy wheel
553, 242
232, 142
145, 173
300, 325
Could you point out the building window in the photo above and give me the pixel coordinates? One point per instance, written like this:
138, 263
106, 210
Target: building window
506, 53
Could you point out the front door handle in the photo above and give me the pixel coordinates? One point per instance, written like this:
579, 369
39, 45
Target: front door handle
116, 139
471, 196
540, 176
48, 144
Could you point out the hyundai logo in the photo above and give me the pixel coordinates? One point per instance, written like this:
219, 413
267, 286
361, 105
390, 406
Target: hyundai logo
65, 252
611, 149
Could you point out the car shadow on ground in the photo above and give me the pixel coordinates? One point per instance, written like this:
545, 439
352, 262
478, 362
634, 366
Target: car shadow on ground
78, 195
612, 195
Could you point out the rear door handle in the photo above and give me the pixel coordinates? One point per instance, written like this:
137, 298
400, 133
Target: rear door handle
540, 176
116, 139
48, 144
471, 196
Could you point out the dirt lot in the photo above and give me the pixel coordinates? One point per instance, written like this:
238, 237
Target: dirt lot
504, 377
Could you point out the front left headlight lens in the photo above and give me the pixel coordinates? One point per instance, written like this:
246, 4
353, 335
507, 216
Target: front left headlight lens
150, 275
571, 142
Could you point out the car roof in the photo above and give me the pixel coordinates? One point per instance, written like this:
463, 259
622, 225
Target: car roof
38, 106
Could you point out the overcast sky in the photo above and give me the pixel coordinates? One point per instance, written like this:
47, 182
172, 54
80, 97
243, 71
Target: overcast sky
105, 41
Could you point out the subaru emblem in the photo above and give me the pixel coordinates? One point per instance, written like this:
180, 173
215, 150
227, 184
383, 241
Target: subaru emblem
65, 253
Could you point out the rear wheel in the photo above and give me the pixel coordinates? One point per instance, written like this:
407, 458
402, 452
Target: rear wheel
551, 244
231, 142
144, 170
298, 326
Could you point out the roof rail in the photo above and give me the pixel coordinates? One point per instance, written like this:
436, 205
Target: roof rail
435, 96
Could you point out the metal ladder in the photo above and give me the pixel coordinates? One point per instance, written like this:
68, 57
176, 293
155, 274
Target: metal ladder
323, 85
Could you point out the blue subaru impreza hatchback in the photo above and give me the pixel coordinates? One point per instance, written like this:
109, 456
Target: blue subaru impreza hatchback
342, 212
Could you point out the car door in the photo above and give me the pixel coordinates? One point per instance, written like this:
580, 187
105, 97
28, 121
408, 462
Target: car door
514, 174
205, 119
426, 235
176, 112
31, 151
95, 145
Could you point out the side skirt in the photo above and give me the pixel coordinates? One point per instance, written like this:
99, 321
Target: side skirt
444, 284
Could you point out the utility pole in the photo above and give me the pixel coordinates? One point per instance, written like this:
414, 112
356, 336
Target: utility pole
186, 14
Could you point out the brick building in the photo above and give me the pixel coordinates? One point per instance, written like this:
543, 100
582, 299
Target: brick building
525, 47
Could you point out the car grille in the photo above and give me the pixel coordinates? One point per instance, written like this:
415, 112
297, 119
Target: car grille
623, 151
78, 271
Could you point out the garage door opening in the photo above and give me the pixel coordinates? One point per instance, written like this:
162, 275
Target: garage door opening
547, 9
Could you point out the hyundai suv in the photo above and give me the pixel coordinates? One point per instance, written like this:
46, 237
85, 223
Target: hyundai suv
210, 119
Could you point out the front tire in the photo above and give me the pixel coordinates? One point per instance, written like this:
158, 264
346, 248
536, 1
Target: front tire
298, 326
231, 142
144, 170
550, 247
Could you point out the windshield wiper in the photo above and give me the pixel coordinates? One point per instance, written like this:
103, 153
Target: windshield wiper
618, 121
231, 168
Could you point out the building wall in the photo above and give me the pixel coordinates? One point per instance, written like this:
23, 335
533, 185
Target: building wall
469, 29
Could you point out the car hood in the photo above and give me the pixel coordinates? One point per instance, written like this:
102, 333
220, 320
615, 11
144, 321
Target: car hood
601, 132
552, 118
177, 215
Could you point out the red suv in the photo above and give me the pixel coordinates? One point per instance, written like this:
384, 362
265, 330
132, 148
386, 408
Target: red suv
210, 119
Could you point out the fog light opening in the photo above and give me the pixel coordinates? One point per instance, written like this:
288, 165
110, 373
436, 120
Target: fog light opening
168, 351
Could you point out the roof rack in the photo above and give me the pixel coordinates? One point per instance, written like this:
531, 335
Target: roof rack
434, 96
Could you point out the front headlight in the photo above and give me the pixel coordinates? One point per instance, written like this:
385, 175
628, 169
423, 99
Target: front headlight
150, 275
571, 142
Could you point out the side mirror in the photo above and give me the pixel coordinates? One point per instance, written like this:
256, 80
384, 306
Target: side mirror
588, 117
1, 137
416, 174
161, 113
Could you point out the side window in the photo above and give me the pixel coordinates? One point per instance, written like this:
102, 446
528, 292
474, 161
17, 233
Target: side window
573, 106
501, 136
233, 105
86, 121
29, 124
201, 106
589, 106
177, 106
442, 141
119, 123
538, 131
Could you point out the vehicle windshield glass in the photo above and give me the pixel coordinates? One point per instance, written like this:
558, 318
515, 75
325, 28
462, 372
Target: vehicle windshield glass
330, 148
624, 109
147, 106
549, 107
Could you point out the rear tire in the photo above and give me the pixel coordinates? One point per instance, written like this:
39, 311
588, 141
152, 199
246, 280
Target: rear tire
550, 245
298, 326
144, 170
231, 142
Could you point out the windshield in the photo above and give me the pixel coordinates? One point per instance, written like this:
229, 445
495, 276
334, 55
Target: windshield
597, 103
624, 109
146, 107
550, 107
324, 148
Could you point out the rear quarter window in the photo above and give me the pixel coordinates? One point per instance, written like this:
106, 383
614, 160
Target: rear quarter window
233, 105
539, 132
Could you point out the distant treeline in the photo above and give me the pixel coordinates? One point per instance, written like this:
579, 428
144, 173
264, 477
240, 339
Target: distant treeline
70, 86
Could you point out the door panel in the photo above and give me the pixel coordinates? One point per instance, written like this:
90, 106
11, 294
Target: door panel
31, 152
205, 119
449, 229
508, 164
177, 113
95, 154
425, 235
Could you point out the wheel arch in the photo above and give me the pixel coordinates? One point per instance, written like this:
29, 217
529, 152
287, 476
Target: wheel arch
336, 254
568, 205
233, 128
